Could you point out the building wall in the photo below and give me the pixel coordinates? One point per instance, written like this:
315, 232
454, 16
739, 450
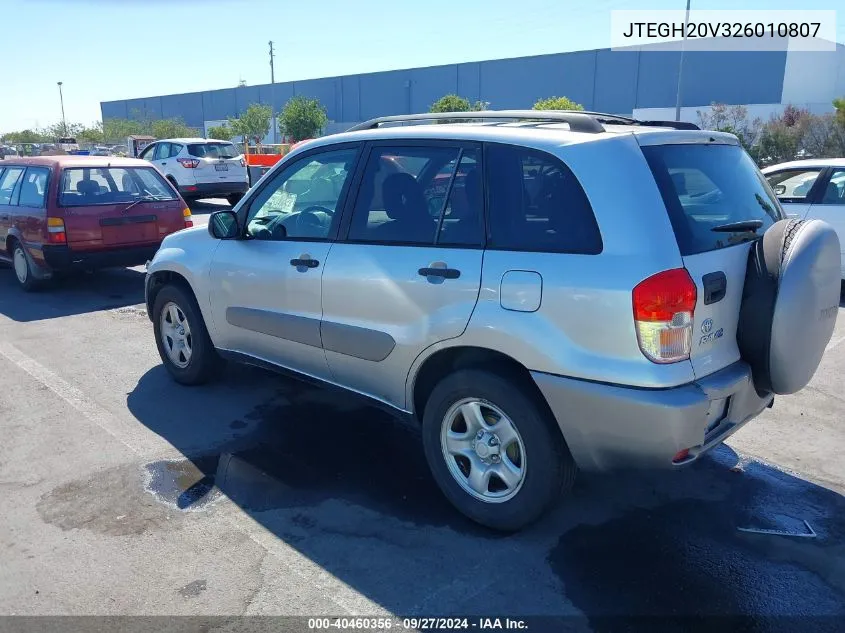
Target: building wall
619, 82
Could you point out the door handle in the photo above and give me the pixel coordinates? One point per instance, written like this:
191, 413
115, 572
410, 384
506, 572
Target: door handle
446, 273
715, 287
304, 262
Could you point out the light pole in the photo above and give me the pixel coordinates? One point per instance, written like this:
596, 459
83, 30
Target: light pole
273, 94
62, 101
681, 67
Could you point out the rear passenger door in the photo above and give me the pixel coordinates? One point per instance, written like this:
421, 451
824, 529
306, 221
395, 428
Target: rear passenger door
407, 270
9, 179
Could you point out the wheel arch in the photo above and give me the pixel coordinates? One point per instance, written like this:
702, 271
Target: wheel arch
429, 369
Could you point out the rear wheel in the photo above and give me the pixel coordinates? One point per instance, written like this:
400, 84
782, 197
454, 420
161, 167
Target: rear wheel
182, 339
493, 450
23, 268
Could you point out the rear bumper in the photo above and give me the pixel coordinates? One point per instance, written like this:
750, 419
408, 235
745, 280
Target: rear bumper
608, 427
213, 189
65, 258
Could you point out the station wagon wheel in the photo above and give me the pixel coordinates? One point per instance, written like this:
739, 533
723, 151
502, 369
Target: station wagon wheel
483, 450
23, 268
176, 335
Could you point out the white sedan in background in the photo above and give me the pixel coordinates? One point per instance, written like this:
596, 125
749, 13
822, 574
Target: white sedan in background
812, 188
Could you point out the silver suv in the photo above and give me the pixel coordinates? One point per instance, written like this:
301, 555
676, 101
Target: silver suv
539, 292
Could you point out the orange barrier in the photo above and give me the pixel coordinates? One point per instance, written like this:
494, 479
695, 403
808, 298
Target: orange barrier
262, 160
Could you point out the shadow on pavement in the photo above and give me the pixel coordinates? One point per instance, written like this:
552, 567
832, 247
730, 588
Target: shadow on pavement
208, 205
349, 488
75, 294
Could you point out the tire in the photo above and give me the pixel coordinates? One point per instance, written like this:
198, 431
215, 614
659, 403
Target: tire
790, 301
203, 361
234, 199
22, 267
547, 468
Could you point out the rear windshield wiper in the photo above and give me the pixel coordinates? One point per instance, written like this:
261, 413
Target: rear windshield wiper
735, 227
140, 200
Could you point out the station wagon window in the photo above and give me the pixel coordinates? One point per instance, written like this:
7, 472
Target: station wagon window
34, 187
537, 204
793, 185
7, 184
302, 201
111, 185
408, 193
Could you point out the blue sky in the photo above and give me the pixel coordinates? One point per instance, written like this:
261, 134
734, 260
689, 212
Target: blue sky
116, 49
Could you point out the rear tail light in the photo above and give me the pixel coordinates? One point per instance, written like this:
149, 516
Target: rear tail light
186, 214
189, 163
663, 314
56, 231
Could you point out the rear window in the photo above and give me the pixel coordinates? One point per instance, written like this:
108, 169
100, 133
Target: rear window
213, 150
85, 186
708, 186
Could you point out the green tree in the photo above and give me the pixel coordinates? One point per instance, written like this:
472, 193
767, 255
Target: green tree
734, 120
171, 128
91, 134
254, 124
221, 132
455, 103
302, 118
25, 136
839, 105
557, 103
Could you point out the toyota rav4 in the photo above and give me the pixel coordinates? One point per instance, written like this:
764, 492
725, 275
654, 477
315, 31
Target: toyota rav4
539, 292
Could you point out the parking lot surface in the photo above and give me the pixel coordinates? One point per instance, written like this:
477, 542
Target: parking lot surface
124, 493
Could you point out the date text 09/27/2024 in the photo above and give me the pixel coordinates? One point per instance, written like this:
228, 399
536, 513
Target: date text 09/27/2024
416, 624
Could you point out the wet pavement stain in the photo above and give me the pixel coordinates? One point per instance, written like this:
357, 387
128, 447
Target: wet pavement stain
184, 484
686, 557
109, 502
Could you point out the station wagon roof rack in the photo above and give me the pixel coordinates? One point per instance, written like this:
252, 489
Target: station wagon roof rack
578, 120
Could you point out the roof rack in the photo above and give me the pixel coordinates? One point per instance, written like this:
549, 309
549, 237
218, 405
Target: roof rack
578, 120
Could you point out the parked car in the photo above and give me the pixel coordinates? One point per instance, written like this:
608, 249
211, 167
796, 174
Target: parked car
485, 283
201, 168
812, 188
65, 212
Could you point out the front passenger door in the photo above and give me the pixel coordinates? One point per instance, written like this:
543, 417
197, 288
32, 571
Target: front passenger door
266, 288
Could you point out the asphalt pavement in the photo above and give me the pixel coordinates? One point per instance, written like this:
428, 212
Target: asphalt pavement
124, 493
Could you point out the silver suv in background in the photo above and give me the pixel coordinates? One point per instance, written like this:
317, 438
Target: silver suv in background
200, 167
540, 292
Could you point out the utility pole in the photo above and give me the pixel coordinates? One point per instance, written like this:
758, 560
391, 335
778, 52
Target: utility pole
62, 101
273, 94
681, 67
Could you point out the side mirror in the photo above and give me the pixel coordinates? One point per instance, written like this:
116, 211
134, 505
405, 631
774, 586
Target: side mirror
223, 225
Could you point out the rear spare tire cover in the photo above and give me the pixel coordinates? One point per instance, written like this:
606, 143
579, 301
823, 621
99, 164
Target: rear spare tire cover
789, 303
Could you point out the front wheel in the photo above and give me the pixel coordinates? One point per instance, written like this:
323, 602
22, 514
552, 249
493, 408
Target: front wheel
183, 343
493, 450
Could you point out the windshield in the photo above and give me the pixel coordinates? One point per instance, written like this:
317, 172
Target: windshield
85, 186
213, 150
706, 187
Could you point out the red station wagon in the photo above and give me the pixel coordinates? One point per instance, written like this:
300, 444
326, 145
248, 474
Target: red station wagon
65, 212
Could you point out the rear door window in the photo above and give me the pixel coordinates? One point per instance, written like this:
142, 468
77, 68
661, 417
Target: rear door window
537, 204
793, 185
8, 183
708, 188
34, 187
